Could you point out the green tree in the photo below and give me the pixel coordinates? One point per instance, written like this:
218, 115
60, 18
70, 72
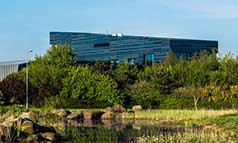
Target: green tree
83, 84
2, 99
162, 77
60, 55
170, 59
125, 74
13, 88
142, 93
102, 67
229, 67
46, 72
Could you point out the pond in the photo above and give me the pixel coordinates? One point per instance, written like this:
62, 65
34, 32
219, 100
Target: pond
117, 131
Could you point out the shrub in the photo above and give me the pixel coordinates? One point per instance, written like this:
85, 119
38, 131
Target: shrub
2, 100
13, 88
83, 84
141, 93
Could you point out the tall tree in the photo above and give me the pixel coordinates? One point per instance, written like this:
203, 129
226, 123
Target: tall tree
83, 84
46, 72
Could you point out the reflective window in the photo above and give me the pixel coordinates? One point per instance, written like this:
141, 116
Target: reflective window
132, 61
149, 59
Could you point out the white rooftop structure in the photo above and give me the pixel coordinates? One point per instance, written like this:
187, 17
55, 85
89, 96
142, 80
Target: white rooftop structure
9, 67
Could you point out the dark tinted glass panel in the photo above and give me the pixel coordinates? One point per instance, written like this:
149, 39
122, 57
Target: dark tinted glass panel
149, 59
101, 44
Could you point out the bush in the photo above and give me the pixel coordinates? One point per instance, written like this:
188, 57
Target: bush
2, 100
13, 88
176, 103
141, 93
82, 84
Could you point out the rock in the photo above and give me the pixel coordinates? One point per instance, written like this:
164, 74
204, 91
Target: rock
109, 124
119, 109
49, 136
10, 122
28, 127
32, 138
92, 114
45, 129
108, 115
88, 123
87, 114
109, 109
25, 115
32, 115
129, 111
75, 115
61, 112
7, 134
12, 129
137, 108
9, 113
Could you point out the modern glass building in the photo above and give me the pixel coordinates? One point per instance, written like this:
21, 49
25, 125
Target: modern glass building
137, 49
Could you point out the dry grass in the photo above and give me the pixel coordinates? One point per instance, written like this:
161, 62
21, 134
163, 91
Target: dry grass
176, 115
189, 137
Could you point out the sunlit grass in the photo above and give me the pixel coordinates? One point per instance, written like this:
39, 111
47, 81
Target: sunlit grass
189, 137
177, 115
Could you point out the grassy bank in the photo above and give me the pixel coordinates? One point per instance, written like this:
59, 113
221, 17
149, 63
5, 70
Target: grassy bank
227, 119
198, 137
212, 125
225, 122
176, 115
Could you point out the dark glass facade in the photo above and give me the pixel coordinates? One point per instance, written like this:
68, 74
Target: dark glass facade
137, 49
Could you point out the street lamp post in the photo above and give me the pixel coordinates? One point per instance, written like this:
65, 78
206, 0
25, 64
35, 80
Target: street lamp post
27, 78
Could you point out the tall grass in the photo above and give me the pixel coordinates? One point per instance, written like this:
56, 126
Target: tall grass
190, 137
176, 115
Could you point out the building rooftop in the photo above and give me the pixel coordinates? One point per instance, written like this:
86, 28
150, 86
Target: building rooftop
13, 62
138, 36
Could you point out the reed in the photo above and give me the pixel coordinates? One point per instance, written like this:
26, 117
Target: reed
177, 115
187, 137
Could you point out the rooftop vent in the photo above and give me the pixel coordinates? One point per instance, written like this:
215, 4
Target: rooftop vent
118, 34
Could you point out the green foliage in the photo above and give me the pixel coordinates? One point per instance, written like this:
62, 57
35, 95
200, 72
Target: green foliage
88, 135
83, 84
46, 78
60, 55
162, 77
170, 59
101, 67
2, 100
13, 88
15, 109
46, 72
143, 94
230, 67
176, 103
125, 74
55, 80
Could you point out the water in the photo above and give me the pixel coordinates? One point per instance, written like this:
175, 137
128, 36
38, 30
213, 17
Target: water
113, 131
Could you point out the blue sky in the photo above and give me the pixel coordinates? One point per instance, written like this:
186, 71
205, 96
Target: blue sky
25, 24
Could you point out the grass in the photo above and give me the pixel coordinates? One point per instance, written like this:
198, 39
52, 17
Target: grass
227, 119
176, 115
226, 122
223, 123
187, 137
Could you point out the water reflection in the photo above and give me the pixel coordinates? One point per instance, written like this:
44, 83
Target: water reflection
112, 131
